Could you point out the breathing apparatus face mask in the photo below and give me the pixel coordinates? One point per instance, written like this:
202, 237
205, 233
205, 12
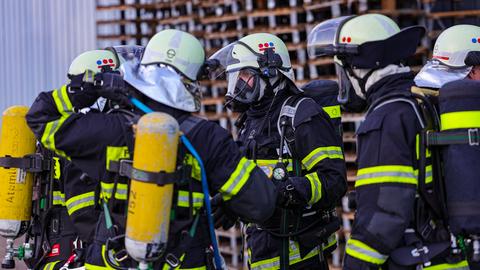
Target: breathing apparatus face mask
347, 96
245, 87
435, 74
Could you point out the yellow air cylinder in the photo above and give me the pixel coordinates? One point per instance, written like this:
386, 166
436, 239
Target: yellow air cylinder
149, 204
16, 140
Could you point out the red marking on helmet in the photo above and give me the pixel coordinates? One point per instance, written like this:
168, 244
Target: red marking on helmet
260, 45
344, 39
265, 44
349, 39
105, 61
441, 57
478, 40
110, 60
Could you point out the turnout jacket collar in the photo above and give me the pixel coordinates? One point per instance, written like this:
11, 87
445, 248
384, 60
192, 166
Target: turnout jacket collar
396, 83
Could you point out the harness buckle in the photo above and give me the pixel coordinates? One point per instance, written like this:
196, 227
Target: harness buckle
172, 260
121, 255
416, 252
125, 167
473, 137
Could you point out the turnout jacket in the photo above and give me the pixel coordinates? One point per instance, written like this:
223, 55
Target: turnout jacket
387, 180
321, 185
91, 140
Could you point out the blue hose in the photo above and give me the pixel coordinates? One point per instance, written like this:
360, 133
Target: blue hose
191, 149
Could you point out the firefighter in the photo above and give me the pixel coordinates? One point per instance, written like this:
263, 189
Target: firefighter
70, 225
397, 224
456, 55
165, 80
293, 140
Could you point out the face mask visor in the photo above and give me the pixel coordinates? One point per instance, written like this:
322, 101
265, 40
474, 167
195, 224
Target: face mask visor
435, 74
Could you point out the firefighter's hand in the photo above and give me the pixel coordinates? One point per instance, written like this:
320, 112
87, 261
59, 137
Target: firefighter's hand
111, 86
288, 196
222, 217
81, 90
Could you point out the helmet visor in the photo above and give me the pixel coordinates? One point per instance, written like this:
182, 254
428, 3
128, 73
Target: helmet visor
232, 58
127, 52
243, 86
344, 84
323, 39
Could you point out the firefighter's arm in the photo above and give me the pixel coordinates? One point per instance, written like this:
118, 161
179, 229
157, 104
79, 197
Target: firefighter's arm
386, 186
245, 189
55, 124
319, 149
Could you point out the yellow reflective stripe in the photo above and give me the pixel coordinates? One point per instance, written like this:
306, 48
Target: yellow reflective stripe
121, 192
106, 190
362, 251
332, 240
316, 187
320, 154
386, 174
196, 172
333, 111
115, 153
294, 255
238, 178
183, 199
80, 201
57, 173
454, 120
58, 198
273, 162
463, 265
417, 148
64, 106
50, 265
48, 136
428, 174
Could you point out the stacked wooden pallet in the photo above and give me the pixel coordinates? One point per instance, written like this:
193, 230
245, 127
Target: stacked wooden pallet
219, 22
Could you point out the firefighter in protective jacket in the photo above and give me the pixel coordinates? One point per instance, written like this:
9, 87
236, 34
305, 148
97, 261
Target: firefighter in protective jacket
395, 225
293, 140
172, 59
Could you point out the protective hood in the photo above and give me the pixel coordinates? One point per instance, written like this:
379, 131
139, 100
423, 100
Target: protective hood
162, 84
435, 74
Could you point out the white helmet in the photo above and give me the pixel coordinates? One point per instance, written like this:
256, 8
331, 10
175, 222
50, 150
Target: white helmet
454, 44
250, 64
456, 50
95, 61
178, 49
168, 71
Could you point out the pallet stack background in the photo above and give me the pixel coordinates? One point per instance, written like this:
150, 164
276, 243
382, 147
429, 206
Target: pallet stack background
218, 23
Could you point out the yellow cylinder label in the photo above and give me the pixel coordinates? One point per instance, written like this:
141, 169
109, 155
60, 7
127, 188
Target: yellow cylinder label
16, 140
149, 205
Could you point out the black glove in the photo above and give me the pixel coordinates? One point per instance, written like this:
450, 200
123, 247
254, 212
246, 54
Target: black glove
222, 217
111, 86
288, 197
81, 90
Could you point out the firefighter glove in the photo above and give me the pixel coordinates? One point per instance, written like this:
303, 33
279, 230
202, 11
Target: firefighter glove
81, 90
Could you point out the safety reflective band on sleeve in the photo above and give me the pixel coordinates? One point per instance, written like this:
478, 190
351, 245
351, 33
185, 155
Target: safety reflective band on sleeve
386, 174
50, 265
80, 201
333, 111
238, 178
332, 240
107, 189
316, 187
320, 154
454, 120
64, 107
362, 251
58, 198
272, 162
294, 255
196, 171
463, 265
183, 199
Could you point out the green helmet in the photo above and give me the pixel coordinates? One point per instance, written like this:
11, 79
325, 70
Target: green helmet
178, 49
94, 60
455, 43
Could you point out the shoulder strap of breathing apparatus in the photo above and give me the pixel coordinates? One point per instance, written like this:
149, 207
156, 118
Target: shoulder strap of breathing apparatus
427, 116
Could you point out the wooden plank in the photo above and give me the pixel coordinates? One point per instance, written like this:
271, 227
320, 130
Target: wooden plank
279, 30
324, 5
154, 6
276, 12
321, 61
223, 18
122, 37
399, 12
389, 4
457, 13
